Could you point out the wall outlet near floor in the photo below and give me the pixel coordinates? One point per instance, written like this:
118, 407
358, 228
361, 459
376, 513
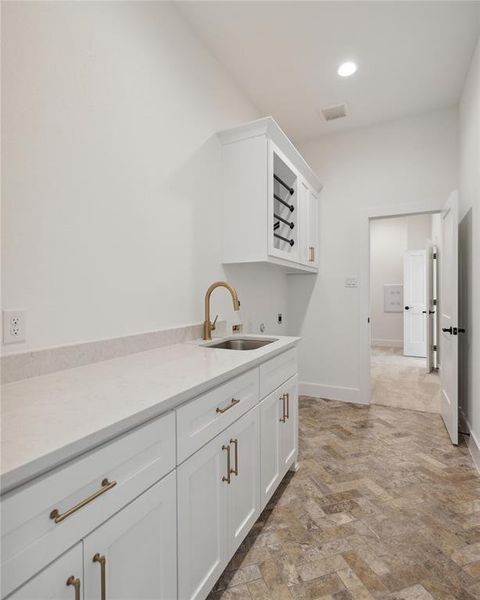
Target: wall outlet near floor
14, 329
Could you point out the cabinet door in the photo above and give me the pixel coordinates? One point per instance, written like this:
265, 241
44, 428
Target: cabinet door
243, 494
51, 583
308, 226
312, 229
289, 426
270, 414
133, 554
202, 551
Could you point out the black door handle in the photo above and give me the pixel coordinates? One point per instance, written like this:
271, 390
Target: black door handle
461, 330
447, 330
407, 308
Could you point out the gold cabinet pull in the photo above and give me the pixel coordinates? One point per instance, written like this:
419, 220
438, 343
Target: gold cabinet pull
227, 478
283, 417
100, 558
58, 517
311, 250
72, 580
231, 405
287, 414
235, 443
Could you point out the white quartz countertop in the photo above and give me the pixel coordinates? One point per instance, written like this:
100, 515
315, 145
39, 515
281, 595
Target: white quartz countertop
50, 419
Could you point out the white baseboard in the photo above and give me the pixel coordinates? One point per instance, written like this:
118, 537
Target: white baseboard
474, 448
473, 443
387, 343
330, 392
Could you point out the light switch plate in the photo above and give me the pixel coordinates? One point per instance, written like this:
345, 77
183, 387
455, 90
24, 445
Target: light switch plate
351, 282
14, 330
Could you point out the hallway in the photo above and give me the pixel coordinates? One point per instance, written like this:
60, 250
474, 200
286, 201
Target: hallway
401, 381
382, 507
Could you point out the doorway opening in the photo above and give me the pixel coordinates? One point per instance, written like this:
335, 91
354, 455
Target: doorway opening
404, 309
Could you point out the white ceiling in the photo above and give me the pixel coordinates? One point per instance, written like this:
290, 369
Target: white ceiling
412, 56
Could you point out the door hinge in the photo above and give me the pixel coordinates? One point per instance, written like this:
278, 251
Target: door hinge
434, 347
368, 319
434, 255
434, 302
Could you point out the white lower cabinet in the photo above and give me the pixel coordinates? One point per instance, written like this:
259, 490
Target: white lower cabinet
278, 435
133, 554
289, 425
121, 523
201, 519
218, 502
51, 583
270, 413
243, 493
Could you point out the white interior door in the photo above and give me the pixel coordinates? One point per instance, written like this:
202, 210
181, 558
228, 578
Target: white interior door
449, 316
415, 299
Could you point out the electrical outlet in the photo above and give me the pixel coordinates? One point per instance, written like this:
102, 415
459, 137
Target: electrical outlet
13, 326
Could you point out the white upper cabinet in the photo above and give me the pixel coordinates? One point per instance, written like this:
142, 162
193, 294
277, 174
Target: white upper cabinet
309, 210
270, 199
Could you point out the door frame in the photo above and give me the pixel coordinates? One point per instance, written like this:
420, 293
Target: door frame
427, 206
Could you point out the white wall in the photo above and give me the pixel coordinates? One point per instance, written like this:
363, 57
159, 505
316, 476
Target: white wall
469, 242
111, 205
389, 240
389, 165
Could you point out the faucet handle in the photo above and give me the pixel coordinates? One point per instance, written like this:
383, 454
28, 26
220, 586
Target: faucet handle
212, 327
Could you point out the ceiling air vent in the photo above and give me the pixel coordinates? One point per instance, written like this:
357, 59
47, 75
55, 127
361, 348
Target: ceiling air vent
331, 113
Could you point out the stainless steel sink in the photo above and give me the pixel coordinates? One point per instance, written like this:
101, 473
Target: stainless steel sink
240, 344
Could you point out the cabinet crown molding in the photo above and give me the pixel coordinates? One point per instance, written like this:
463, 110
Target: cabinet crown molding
267, 126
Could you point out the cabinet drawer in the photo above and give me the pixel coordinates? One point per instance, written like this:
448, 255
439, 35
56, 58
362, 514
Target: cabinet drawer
276, 371
31, 538
204, 417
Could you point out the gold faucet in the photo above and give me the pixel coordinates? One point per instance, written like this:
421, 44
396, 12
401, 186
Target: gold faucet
208, 326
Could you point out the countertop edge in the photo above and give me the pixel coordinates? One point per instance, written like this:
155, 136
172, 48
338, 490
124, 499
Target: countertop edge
28, 472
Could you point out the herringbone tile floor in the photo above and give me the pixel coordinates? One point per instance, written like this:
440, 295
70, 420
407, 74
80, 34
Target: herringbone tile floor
382, 507
402, 381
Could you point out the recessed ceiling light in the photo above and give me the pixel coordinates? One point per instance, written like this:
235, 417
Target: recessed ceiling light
347, 68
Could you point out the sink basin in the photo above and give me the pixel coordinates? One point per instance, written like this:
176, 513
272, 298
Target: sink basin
240, 344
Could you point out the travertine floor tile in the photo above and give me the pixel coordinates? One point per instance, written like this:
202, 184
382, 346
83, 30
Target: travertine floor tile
401, 381
383, 507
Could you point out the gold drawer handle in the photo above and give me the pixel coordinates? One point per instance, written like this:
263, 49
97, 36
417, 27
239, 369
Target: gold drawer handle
287, 396
311, 250
72, 580
283, 418
100, 558
229, 470
231, 405
58, 517
235, 443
